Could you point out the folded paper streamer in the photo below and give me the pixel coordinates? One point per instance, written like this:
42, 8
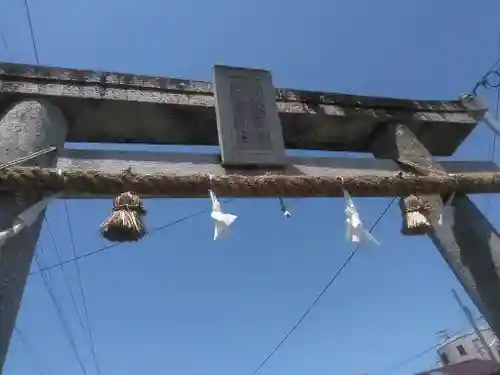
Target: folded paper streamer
284, 209
25, 219
222, 220
355, 229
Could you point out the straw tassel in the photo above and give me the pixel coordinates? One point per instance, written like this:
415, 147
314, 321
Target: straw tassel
125, 222
416, 213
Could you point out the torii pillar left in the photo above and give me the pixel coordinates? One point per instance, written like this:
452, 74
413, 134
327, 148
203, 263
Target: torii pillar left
27, 126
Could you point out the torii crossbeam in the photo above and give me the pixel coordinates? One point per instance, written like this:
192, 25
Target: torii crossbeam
253, 124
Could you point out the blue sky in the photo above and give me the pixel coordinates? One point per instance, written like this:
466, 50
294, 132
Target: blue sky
178, 302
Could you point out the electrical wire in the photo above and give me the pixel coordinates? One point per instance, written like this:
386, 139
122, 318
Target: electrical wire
46, 281
86, 330
37, 58
64, 273
82, 292
60, 314
320, 295
411, 359
111, 246
418, 355
32, 33
485, 80
5, 45
493, 148
493, 71
27, 347
485, 83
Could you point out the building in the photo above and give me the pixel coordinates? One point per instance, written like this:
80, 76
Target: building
465, 355
470, 367
466, 347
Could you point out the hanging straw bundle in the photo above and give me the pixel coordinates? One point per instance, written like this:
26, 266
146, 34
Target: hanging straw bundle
416, 213
125, 223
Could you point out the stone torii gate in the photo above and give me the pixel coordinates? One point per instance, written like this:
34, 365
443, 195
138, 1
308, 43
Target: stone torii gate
254, 124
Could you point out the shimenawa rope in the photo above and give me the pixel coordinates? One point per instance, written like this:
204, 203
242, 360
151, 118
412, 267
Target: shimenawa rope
35, 180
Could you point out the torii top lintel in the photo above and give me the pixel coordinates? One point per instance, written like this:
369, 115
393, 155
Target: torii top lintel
114, 107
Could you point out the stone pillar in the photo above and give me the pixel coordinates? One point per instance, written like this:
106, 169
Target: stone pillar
26, 127
471, 247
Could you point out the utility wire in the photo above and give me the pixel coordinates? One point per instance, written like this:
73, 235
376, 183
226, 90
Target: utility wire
49, 288
61, 316
493, 146
492, 71
484, 82
32, 33
416, 356
411, 359
84, 300
64, 273
320, 295
111, 246
37, 58
28, 349
5, 45
72, 295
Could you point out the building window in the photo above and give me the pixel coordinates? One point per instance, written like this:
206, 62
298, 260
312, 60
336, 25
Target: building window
444, 359
461, 350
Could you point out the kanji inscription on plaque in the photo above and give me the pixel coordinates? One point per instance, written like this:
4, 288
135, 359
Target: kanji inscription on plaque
248, 124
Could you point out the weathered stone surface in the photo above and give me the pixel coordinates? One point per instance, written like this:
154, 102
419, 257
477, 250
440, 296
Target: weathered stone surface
112, 107
471, 247
397, 141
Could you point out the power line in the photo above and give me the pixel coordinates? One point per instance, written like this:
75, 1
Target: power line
320, 295
65, 275
30, 24
49, 288
492, 71
493, 146
111, 246
35, 50
84, 300
72, 295
28, 349
493, 149
416, 356
5, 45
60, 314
494, 141
411, 359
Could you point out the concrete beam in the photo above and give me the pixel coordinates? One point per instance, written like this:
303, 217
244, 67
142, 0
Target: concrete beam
113, 107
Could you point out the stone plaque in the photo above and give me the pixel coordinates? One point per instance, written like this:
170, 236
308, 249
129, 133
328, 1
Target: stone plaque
248, 125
